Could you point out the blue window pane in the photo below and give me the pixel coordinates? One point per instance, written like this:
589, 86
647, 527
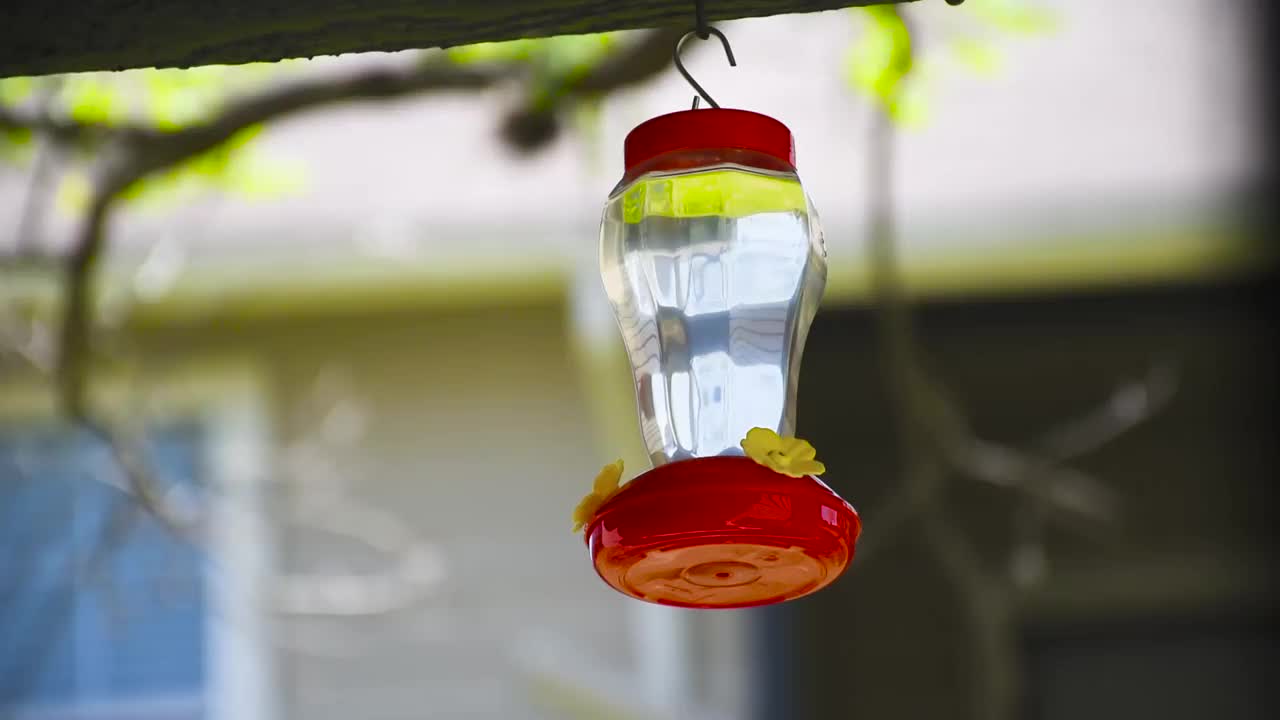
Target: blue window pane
80, 624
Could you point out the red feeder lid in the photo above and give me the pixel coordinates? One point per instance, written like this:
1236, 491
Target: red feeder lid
722, 532
713, 128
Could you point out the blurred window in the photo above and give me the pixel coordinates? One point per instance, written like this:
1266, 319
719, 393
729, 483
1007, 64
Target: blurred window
102, 609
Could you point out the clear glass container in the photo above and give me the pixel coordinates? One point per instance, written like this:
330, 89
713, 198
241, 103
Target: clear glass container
713, 259
714, 262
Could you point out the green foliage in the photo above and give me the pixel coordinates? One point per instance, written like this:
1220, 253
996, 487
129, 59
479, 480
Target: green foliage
493, 52
564, 55
552, 62
882, 58
172, 99
1016, 17
884, 65
232, 168
166, 100
978, 56
16, 89
93, 99
15, 143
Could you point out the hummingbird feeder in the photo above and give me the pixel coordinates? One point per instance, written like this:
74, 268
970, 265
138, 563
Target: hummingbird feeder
714, 262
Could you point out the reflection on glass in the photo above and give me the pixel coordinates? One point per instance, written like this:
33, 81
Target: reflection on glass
713, 311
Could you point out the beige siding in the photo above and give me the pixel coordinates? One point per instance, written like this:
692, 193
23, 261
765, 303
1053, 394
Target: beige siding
476, 435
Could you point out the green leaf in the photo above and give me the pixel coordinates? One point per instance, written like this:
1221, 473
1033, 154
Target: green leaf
910, 108
16, 136
73, 192
882, 66
881, 57
575, 55
15, 145
92, 98
1014, 16
178, 98
231, 168
255, 177
493, 52
172, 99
14, 90
980, 57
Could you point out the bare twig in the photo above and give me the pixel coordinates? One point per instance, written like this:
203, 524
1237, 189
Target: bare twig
415, 569
938, 444
418, 570
1075, 494
1129, 406
143, 483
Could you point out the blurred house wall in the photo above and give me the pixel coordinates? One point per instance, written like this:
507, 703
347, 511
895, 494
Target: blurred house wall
470, 426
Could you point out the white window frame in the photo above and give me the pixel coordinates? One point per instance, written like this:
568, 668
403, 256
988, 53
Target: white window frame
226, 399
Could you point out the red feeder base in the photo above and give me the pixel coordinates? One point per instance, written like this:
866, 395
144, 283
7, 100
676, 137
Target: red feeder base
721, 532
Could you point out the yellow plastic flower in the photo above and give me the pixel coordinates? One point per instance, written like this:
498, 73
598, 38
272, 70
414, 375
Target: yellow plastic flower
786, 455
602, 489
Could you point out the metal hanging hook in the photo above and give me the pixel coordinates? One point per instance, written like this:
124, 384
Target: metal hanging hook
704, 32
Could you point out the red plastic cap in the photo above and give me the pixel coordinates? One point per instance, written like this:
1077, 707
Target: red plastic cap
721, 532
713, 128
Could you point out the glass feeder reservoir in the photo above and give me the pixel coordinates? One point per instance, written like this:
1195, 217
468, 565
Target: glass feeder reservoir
713, 259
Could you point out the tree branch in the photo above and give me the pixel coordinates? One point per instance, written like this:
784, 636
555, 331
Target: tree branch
128, 153
137, 152
72, 356
921, 411
937, 443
